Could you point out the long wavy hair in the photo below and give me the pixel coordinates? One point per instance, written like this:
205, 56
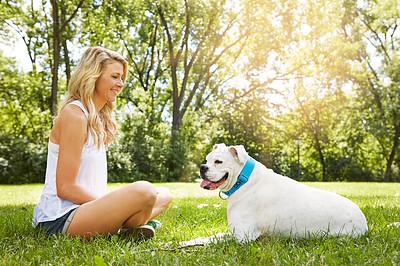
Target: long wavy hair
81, 87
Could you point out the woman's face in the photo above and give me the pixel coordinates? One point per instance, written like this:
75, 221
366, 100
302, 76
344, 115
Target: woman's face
109, 84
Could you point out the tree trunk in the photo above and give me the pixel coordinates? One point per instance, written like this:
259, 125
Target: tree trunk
388, 172
65, 50
67, 62
176, 119
322, 159
56, 58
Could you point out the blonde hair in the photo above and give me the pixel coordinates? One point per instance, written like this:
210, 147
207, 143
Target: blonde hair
81, 87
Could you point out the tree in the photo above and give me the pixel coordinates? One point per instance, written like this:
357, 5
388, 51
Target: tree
29, 24
23, 131
375, 25
246, 121
44, 39
181, 54
194, 59
198, 52
61, 21
315, 93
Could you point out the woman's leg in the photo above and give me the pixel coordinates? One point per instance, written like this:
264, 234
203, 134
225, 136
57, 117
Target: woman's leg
163, 200
131, 206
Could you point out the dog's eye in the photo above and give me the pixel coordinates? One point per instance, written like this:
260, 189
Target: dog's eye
218, 162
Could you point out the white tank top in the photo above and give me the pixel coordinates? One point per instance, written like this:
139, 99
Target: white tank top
92, 175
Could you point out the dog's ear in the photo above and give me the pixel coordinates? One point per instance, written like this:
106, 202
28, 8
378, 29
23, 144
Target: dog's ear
221, 145
239, 152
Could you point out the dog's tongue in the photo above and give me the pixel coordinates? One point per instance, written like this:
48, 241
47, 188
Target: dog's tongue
207, 184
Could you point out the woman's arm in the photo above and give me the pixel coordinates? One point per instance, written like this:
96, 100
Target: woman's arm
70, 131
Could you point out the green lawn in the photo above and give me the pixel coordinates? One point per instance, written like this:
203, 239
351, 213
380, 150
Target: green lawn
193, 213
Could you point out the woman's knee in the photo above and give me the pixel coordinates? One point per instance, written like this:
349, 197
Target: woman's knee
164, 196
144, 191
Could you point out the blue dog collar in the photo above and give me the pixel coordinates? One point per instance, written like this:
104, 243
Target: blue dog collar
242, 178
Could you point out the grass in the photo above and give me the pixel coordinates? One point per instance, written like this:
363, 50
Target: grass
193, 213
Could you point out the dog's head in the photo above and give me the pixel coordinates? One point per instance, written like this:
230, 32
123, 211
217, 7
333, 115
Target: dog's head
223, 166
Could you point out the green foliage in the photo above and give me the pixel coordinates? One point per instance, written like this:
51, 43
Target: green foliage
143, 152
377, 85
148, 150
23, 142
246, 121
203, 72
22, 162
119, 165
196, 213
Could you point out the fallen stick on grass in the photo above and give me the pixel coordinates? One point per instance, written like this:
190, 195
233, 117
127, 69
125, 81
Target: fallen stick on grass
197, 242
174, 249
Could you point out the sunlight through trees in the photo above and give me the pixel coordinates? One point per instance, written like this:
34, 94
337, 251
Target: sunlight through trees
209, 71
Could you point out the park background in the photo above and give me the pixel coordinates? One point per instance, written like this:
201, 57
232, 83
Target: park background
309, 87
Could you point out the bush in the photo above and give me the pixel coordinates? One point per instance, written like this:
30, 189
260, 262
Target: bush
21, 161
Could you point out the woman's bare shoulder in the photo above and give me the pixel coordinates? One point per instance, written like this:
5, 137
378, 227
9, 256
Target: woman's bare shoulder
72, 114
71, 120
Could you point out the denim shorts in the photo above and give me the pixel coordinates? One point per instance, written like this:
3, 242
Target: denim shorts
59, 225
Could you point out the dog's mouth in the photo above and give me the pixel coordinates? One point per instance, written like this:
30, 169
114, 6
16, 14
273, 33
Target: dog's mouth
208, 184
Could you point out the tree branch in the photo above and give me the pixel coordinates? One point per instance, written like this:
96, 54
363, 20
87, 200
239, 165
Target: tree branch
72, 16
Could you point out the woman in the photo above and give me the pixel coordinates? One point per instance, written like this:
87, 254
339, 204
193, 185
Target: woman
74, 200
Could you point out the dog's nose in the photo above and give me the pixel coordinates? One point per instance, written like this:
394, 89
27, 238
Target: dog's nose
203, 169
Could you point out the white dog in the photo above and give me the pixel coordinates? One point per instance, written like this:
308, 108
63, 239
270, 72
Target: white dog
262, 202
